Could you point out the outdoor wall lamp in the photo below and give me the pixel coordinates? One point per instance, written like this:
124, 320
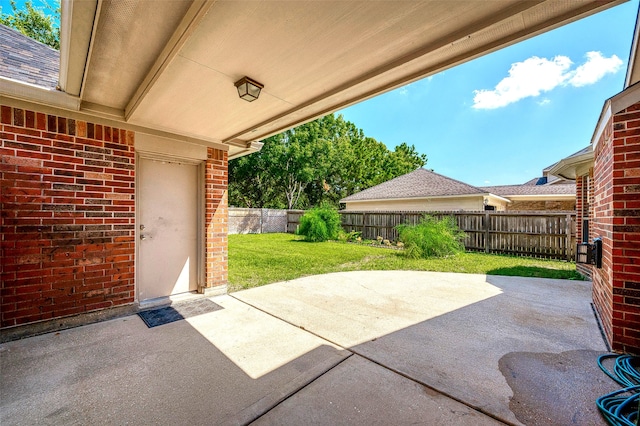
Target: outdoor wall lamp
248, 89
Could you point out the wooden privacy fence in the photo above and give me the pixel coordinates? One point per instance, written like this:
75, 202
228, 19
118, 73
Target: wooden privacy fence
537, 234
293, 220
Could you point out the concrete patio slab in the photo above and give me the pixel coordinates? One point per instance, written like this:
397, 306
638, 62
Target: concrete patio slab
359, 392
347, 348
225, 367
478, 339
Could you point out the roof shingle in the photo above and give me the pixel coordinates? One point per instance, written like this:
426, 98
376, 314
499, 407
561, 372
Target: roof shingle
510, 190
26, 60
420, 183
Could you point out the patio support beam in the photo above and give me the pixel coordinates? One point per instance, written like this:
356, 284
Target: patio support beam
187, 26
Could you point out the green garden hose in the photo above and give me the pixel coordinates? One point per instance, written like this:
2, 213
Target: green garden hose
620, 408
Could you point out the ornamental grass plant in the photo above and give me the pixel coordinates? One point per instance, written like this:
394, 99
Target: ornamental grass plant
320, 224
431, 237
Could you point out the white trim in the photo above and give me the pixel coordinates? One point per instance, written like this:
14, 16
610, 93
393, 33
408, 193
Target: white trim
573, 164
66, 11
30, 92
605, 115
252, 147
156, 146
615, 104
87, 63
633, 53
76, 28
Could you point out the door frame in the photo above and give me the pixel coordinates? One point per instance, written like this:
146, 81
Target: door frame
200, 209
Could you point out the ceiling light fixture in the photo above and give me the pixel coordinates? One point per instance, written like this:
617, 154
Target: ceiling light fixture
248, 89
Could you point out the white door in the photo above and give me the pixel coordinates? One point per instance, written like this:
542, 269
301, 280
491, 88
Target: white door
167, 228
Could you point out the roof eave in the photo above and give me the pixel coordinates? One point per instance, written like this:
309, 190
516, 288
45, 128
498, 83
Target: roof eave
479, 194
612, 106
77, 20
633, 70
251, 148
570, 167
29, 92
543, 196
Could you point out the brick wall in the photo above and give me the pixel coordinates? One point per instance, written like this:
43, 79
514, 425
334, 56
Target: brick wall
67, 208
626, 230
216, 218
542, 205
601, 226
617, 222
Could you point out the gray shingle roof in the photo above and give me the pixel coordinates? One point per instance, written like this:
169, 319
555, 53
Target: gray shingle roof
417, 184
544, 180
509, 190
27, 60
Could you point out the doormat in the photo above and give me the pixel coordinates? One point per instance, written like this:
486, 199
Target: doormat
177, 312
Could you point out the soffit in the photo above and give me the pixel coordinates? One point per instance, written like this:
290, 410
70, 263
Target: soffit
172, 65
129, 36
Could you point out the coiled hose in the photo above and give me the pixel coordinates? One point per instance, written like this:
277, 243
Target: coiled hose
620, 408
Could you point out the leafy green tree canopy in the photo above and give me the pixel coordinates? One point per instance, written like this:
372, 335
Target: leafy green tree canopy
321, 161
34, 22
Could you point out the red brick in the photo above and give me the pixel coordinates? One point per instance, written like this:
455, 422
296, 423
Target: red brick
47, 201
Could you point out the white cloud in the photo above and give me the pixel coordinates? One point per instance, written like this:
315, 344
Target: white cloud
545, 101
596, 67
535, 75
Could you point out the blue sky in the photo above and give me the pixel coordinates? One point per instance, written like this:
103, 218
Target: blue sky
502, 118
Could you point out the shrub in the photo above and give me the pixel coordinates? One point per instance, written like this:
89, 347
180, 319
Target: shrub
320, 224
350, 237
431, 238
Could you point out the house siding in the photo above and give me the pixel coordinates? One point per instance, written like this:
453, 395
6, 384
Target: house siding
541, 205
68, 212
444, 204
616, 219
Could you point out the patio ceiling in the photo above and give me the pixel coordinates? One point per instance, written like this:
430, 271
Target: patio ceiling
171, 65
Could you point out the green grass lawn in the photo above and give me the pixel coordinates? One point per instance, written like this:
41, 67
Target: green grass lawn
259, 259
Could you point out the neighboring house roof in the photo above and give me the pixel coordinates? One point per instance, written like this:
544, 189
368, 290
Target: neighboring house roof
545, 180
514, 190
420, 183
575, 164
28, 61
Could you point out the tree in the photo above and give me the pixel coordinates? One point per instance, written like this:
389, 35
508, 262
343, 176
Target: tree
321, 161
34, 22
404, 159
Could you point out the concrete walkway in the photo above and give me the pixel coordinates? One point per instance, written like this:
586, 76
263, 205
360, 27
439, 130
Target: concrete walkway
346, 348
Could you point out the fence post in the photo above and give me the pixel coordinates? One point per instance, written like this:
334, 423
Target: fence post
568, 243
486, 232
364, 225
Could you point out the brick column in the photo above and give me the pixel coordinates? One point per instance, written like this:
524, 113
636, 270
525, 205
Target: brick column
216, 223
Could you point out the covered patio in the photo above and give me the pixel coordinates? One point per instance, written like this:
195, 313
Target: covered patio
393, 347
